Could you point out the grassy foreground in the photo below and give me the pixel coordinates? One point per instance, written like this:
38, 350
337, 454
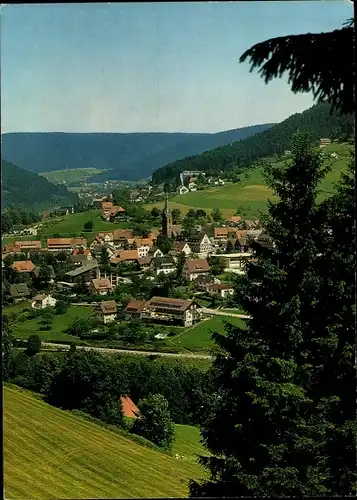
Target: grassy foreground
49, 453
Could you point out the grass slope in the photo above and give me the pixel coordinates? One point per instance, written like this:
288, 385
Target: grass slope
78, 175
250, 195
49, 453
59, 324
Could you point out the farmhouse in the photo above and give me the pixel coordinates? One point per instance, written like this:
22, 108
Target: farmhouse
130, 410
120, 236
107, 311
134, 308
88, 271
21, 246
42, 301
100, 286
221, 234
167, 310
234, 220
194, 268
126, 256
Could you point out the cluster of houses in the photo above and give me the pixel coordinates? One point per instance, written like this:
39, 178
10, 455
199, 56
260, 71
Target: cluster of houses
109, 211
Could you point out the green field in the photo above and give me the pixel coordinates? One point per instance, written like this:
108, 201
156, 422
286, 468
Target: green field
59, 324
187, 442
198, 338
78, 175
49, 453
251, 193
74, 224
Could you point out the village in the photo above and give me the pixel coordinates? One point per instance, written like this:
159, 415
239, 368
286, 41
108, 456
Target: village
202, 269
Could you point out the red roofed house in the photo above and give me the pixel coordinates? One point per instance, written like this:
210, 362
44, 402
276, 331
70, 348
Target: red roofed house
130, 410
65, 244
23, 266
193, 268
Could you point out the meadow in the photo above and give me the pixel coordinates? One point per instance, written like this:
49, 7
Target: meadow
198, 337
59, 325
51, 453
71, 175
249, 196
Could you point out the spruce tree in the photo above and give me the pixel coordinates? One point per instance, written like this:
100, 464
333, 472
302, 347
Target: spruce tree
266, 431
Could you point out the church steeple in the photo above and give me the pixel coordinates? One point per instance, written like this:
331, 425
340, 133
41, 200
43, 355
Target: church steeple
166, 219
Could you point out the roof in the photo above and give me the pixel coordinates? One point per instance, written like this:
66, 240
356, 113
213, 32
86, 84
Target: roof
28, 244
179, 245
164, 261
135, 305
101, 284
88, 266
168, 303
122, 234
107, 205
144, 260
59, 241
40, 297
19, 289
197, 265
220, 231
108, 307
143, 241
78, 258
23, 266
128, 255
221, 286
205, 278
235, 218
129, 408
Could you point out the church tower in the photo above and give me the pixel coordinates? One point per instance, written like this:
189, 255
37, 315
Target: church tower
167, 219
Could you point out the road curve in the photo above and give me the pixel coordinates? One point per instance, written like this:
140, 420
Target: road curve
126, 351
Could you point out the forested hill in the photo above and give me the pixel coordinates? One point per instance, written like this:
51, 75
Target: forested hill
21, 188
240, 155
124, 156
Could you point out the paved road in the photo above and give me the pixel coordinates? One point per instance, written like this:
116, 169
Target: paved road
125, 351
217, 312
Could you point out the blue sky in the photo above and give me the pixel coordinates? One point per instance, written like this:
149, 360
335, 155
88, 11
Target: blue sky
156, 67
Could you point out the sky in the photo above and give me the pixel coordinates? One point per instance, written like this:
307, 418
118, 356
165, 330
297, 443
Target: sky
148, 67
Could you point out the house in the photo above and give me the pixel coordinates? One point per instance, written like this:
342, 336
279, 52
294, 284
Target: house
200, 243
155, 252
19, 291
193, 268
100, 286
79, 259
166, 310
42, 301
134, 308
97, 202
265, 240
221, 234
220, 289
182, 190
130, 410
125, 256
192, 186
88, 271
107, 311
204, 280
120, 236
23, 266
163, 265
142, 245
324, 142
144, 263
65, 244
180, 247
242, 245
134, 195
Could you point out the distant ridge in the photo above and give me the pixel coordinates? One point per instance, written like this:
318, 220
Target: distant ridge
20, 188
126, 156
316, 120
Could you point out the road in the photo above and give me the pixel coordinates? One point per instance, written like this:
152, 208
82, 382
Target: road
217, 312
125, 351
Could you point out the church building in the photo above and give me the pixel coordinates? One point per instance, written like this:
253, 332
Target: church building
167, 219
